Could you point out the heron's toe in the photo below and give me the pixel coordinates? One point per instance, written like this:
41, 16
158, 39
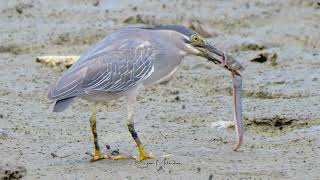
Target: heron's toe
144, 156
99, 156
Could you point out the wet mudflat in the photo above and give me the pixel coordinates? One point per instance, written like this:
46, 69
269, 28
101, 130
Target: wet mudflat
187, 117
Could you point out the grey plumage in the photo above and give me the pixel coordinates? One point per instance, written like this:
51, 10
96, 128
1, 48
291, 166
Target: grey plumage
107, 68
62, 104
121, 61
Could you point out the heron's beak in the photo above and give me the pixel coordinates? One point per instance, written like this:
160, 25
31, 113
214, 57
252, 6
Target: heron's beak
213, 54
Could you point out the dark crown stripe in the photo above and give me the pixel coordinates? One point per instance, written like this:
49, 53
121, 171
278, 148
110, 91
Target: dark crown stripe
179, 28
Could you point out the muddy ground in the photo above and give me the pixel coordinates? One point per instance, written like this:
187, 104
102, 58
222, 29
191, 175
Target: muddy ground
184, 117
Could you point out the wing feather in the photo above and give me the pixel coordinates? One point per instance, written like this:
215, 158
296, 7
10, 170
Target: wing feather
67, 86
112, 70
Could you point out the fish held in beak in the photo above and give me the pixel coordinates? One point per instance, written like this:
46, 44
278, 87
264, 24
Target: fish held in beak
236, 69
237, 108
219, 57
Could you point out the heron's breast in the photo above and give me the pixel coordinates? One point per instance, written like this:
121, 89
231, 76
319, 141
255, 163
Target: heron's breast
159, 76
168, 76
166, 64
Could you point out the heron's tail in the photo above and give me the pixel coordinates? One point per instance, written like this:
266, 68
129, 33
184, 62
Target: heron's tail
62, 104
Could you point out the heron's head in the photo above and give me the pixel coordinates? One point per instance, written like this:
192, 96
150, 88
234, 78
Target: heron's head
191, 42
195, 44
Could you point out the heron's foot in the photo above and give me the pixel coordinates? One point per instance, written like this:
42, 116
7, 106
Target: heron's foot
97, 155
144, 155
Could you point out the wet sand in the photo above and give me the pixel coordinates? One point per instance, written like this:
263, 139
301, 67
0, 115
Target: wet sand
184, 117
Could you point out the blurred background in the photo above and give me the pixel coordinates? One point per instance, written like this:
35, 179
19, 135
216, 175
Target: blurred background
276, 41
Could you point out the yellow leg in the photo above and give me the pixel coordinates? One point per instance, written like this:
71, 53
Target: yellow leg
142, 154
97, 155
131, 104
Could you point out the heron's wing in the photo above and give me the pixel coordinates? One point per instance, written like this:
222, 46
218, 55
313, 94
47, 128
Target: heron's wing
109, 70
119, 70
68, 85
122, 38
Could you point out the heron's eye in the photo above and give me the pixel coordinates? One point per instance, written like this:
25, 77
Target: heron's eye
196, 38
